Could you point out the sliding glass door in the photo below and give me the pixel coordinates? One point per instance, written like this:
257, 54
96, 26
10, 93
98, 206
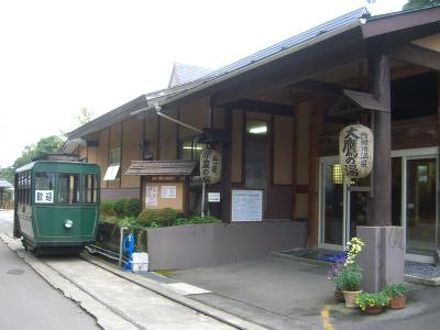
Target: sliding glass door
415, 202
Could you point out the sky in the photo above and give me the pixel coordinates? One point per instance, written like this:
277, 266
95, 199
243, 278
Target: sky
57, 57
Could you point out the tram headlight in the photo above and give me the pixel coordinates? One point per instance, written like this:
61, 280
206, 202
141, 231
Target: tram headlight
68, 223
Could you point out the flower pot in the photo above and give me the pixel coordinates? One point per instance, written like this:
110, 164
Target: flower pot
339, 296
398, 302
373, 310
349, 297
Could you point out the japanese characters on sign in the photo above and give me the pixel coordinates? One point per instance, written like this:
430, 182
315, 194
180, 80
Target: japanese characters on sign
151, 193
210, 166
44, 196
356, 150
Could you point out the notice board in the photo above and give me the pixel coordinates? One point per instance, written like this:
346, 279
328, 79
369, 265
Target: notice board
247, 205
159, 195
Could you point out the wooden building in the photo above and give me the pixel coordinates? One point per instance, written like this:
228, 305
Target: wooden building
275, 117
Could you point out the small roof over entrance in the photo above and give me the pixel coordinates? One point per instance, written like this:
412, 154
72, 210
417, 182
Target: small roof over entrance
162, 167
5, 184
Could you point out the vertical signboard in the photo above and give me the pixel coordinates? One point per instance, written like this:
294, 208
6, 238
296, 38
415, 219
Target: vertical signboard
247, 205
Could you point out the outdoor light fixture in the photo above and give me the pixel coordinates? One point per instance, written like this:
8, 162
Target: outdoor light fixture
337, 174
192, 148
68, 224
258, 130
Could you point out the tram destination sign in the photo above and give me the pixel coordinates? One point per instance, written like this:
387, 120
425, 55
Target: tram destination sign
356, 143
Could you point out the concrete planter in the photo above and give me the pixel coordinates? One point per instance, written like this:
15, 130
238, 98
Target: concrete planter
201, 245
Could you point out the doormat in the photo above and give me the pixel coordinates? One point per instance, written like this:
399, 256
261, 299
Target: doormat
323, 255
421, 269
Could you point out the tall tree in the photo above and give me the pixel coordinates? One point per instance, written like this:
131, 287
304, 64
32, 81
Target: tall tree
7, 174
84, 116
46, 145
417, 4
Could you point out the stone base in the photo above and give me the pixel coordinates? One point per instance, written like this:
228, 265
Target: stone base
383, 257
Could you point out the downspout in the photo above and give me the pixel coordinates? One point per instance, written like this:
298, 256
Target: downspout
159, 112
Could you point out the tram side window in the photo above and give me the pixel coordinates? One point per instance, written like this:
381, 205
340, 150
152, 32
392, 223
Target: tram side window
24, 187
90, 188
68, 188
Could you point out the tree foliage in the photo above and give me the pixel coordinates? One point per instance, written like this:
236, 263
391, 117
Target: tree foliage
46, 145
84, 116
7, 174
418, 4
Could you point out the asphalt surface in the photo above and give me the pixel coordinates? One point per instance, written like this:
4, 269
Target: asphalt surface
27, 301
273, 292
285, 294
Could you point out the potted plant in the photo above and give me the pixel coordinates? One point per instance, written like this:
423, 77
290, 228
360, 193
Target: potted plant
349, 280
372, 303
397, 295
338, 261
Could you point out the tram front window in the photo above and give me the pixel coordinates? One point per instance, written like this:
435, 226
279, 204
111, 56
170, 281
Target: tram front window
68, 188
44, 181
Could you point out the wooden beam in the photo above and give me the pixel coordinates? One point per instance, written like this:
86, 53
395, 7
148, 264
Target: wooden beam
300, 66
403, 22
318, 87
380, 196
417, 55
263, 107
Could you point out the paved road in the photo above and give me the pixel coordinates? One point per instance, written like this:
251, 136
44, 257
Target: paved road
27, 301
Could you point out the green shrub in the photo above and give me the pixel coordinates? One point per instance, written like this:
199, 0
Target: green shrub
119, 207
206, 219
107, 209
128, 222
132, 207
158, 218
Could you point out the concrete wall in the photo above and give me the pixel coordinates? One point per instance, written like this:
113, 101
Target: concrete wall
212, 244
118, 193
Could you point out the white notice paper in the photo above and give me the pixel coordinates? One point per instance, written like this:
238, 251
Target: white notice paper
168, 192
151, 196
247, 205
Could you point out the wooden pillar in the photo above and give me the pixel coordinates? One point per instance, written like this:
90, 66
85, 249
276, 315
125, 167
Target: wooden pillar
315, 128
380, 198
227, 164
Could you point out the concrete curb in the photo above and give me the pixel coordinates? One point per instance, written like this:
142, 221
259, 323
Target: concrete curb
158, 288
431, 281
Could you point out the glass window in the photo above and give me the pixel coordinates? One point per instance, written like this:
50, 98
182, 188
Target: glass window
115, 156
257, 127
90, 184
68, 188
44, 181
189, 149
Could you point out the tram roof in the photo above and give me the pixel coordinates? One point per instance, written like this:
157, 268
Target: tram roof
31, 165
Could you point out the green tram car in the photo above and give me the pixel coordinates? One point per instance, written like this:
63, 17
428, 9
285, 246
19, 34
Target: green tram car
56, 205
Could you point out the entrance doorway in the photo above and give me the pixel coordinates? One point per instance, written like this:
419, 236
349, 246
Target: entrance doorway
343, 204
415, 202
416, 197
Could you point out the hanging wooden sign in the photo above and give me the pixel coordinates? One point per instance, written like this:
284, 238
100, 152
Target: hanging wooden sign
210, 166
356, 143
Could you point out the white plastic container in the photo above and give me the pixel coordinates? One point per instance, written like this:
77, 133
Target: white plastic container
140, 262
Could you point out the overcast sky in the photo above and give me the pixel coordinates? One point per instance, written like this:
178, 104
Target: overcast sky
61, 55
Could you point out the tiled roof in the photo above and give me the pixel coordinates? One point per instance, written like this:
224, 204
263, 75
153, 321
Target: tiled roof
296, 40
184, 73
